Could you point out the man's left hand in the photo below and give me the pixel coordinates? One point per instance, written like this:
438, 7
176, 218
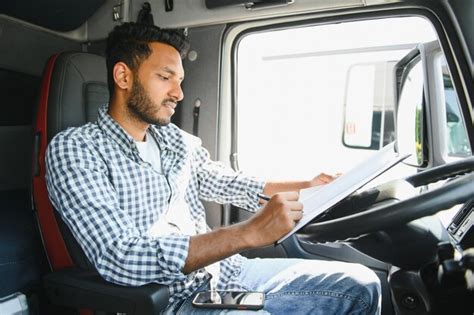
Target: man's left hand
323, 179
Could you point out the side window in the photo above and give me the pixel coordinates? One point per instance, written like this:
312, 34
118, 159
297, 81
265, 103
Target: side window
295, 85
457, 142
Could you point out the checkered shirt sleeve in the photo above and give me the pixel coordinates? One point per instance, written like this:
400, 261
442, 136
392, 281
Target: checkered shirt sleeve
219, 183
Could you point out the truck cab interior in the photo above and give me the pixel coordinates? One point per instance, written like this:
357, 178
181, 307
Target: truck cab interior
282, 89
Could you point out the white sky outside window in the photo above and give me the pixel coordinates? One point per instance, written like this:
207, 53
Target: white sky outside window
290, 93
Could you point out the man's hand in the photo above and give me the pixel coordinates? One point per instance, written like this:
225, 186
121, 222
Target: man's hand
273, 187
323, 179
268, 225
278, 217
275, 219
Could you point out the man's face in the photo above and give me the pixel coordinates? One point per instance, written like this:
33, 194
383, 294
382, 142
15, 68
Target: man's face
157, 86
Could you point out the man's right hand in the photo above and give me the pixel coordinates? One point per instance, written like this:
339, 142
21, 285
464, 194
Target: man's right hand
269, 224
274, 220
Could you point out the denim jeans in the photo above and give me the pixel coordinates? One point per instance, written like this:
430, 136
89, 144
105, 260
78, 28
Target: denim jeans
299, 286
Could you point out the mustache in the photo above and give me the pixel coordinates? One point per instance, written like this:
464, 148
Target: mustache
169, 100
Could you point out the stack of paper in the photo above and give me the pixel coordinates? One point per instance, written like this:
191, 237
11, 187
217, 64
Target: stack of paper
318, 199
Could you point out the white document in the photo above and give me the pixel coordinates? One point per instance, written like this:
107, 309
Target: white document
318, 199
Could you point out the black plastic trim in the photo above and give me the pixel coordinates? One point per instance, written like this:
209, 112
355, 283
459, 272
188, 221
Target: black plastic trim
63, 16
86, 289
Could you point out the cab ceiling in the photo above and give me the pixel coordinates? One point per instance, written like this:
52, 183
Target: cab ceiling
191, 13
91, 20
57, 15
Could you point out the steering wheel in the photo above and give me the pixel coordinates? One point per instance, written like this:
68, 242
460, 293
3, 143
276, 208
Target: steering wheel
458, 189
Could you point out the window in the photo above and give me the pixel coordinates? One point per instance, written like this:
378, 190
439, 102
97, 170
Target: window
292, 89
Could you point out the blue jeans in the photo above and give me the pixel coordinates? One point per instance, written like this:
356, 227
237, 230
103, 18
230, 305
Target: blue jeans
299, 286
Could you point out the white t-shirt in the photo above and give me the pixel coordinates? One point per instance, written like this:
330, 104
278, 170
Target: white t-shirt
178, 217
150, 152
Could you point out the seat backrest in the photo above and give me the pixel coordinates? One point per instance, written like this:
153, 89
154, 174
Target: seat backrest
74, 86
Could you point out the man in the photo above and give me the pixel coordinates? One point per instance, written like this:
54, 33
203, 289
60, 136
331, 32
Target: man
129, 188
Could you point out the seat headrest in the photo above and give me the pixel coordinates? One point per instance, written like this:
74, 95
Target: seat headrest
78, 87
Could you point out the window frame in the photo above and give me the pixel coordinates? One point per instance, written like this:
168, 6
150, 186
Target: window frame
407, 64
440, 92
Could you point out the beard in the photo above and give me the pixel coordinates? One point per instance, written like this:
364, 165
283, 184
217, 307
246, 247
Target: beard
141, 106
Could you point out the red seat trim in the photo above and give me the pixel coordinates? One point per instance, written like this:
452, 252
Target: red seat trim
55, 246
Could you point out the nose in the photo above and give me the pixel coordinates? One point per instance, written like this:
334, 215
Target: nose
177, 92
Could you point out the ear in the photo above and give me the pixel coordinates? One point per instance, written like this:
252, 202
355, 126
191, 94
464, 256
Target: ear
123, 76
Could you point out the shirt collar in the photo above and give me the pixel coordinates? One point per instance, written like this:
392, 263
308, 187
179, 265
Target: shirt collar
157, 132
126, 142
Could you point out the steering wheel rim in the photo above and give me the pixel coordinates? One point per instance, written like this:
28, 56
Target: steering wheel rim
456, 191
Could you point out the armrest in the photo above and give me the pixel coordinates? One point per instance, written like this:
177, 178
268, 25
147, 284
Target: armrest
87, 289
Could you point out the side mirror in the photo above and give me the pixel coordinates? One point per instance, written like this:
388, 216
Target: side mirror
369, 106
424, 82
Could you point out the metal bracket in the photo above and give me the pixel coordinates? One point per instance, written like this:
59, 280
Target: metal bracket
267, 4
169, 5
234, 161
117, 12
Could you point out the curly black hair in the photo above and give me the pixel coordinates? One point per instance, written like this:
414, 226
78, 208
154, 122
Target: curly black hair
129, 43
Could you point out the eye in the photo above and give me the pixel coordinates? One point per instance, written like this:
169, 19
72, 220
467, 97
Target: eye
162, 77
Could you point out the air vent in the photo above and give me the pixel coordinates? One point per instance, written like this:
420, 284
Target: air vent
459, 217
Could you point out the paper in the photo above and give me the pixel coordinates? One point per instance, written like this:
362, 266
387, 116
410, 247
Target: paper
318, 199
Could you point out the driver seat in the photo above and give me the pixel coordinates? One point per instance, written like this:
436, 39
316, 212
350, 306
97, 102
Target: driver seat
74, 86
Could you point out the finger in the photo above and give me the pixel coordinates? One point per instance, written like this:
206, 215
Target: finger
295, 205
326, 177
296, 215
289, 195
321, 178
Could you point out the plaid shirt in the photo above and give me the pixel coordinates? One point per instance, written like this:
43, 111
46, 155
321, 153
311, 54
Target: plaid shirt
109, 197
